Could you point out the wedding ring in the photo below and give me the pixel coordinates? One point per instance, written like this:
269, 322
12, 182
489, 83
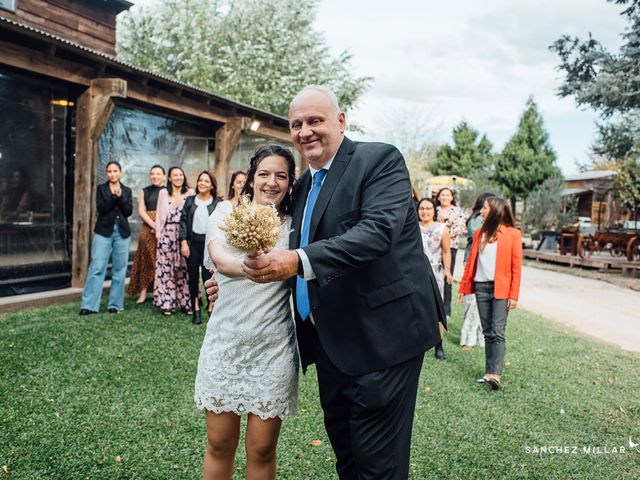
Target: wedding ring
262, 277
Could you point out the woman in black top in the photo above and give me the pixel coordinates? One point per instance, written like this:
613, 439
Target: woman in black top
144, 266
111, 237
193, 229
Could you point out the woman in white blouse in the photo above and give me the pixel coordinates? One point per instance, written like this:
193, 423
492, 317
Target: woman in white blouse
193, 229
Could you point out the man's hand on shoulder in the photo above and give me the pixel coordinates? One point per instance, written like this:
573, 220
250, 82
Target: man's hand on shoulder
275, 265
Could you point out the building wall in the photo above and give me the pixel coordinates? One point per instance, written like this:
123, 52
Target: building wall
93, 28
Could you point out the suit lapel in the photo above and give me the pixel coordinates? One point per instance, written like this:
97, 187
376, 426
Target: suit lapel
330, 183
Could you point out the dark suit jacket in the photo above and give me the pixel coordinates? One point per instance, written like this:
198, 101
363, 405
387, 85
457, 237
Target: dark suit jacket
186, 217
375, 300
112, 209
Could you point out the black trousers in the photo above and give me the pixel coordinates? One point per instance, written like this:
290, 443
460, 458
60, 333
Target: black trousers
195, 265
369, 417
447, 287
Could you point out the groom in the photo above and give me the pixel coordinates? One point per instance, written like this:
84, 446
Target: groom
367, 303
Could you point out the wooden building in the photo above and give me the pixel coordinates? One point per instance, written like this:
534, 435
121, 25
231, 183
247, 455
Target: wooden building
69, 106
594, 191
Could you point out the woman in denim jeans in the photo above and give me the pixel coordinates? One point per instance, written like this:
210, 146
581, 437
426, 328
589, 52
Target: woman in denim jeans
493, 274
112, 237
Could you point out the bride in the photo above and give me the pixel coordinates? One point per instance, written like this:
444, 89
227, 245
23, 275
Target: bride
248, 363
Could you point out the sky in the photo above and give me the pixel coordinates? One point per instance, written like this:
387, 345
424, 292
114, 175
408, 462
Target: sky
444, 62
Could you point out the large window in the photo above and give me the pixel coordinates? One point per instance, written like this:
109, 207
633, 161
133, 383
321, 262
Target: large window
139, 139
33, 177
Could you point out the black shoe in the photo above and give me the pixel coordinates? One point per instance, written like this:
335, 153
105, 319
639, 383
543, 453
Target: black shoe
84, 311
113, 310
440, 352
196, 318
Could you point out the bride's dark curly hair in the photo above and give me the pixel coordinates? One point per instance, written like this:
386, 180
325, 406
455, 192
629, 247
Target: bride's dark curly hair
267, 150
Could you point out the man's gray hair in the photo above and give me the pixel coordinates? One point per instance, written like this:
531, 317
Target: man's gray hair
320, 89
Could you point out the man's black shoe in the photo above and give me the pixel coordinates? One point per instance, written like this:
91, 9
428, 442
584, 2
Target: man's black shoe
113, 310
84, 311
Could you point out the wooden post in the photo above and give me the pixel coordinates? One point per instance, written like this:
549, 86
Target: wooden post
227, 139
94, 107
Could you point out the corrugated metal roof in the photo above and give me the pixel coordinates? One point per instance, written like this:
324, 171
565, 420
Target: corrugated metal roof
119, 63
575, 191
593, 175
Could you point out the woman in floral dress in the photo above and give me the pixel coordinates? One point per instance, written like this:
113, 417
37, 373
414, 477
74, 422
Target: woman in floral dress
171, 287
453, 217
436, 244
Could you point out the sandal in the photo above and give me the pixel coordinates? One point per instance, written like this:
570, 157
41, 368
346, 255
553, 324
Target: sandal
484, 379
495, 383
167, 313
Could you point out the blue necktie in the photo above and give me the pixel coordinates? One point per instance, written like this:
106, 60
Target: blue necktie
302, 290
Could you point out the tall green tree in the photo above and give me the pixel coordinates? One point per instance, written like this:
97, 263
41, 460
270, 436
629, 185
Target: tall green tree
609, 83
468, 153
527, 159
595, 77
259, 52
627, 185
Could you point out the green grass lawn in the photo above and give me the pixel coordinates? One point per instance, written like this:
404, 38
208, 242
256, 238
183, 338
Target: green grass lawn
110, 397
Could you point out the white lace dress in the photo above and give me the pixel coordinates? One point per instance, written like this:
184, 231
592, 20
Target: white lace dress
249, 357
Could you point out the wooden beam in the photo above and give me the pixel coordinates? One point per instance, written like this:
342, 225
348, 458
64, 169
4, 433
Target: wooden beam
227, 139
83, 171
266, 130
94, 108
161, 98
39, 62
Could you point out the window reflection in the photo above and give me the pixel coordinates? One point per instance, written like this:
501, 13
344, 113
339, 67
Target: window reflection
139, 139
33, 220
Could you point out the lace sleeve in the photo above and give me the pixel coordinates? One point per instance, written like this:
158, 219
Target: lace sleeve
216, 220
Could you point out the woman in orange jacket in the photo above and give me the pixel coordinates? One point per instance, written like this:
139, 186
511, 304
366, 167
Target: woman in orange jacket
493, 274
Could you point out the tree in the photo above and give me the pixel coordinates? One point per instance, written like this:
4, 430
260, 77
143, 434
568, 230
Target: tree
627, 185
259, 52
527, 159
467, 154
548, 208
412, 130
600, 79
483, 182
609, 83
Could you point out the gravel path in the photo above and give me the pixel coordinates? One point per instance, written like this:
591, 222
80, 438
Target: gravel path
593, 307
